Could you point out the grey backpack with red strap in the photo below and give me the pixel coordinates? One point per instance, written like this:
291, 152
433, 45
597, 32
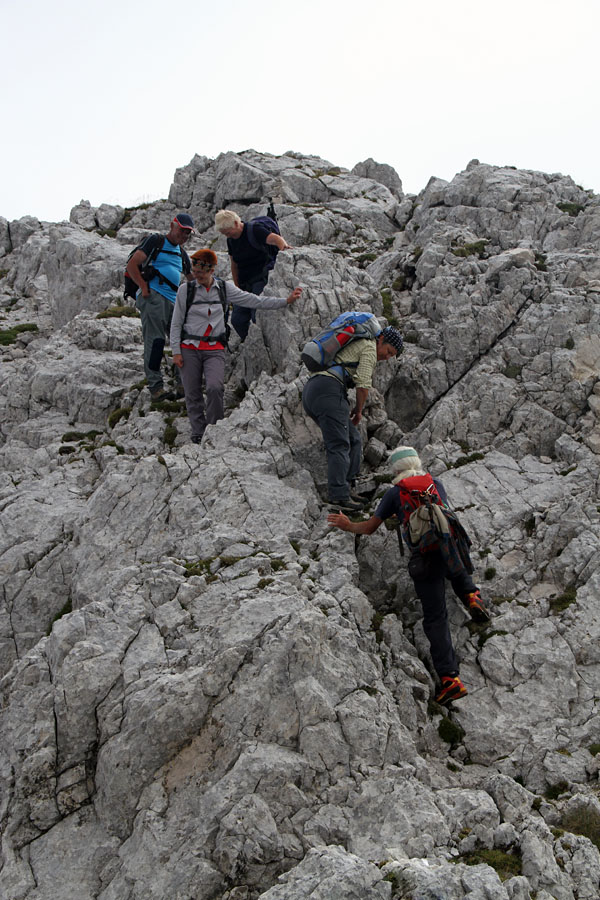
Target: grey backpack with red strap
190, 299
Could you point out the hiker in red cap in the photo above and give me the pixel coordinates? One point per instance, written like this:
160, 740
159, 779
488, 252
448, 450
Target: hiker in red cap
156, 267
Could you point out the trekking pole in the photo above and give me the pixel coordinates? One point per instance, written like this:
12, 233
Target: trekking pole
400, 541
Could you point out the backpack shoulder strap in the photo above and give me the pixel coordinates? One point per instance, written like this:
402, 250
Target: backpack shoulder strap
189, 298
251, 238
155, 245
222, 288
185, 262
264, 248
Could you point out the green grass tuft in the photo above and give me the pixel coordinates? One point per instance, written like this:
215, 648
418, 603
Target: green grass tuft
117, 414
170, 433
264, 582
573, 209
507, 865
465, 460
450, 731
67, 608
117, 312
559, 604
10, 335
553, 791
477, 248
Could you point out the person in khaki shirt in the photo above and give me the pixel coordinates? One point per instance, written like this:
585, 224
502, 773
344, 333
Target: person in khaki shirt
325, 400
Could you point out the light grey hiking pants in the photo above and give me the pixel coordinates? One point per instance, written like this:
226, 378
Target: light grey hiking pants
211, 365
156, 312
326, 402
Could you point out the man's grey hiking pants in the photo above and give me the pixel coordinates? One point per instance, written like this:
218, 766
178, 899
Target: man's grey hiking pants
326, 402
156, 312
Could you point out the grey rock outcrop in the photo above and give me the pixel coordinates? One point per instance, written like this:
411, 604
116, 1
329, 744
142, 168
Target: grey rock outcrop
84, 215
106, 217
380, 172
215, 680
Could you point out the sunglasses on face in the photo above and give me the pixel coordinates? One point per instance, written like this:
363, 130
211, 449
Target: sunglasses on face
203, 265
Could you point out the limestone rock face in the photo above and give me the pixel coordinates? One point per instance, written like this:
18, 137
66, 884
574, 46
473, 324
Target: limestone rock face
84, 214
196, 671
380, 172
105, 217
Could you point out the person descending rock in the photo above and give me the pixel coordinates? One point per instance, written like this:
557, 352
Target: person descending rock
199, 336
439, 549
325, 400
252, 248
156, 296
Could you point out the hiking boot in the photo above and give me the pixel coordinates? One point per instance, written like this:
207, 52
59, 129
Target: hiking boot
476, 607
348, 506
159, 394
452, 689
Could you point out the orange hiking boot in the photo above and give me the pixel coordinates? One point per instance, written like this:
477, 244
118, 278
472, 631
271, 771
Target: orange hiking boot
452, 689
476, 607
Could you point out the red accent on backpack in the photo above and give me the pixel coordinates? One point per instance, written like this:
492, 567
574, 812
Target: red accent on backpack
414, 491
344, 336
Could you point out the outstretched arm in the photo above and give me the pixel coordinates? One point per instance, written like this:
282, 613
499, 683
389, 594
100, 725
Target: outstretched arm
339, 520
244, 298
276, 240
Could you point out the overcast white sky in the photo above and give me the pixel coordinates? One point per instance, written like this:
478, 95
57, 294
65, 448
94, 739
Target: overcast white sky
103, 101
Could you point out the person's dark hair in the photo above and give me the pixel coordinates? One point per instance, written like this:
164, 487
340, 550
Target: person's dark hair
392, 336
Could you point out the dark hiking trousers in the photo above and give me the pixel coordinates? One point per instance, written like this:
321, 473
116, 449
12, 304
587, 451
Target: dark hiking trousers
325, 400
429, 573
197, 364
156, 313
241, 316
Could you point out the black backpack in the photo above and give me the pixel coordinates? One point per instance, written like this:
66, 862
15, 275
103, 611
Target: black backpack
270, 222
191, 293
151, 246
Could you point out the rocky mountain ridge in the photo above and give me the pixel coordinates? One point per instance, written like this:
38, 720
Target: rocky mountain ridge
208, 694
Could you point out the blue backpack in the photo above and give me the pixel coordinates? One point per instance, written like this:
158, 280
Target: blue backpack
319, 353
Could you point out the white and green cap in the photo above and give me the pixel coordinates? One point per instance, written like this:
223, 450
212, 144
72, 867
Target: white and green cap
403, 453
404, 459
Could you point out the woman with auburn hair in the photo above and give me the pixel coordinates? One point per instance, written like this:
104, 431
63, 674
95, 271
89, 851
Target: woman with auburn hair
199, 336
